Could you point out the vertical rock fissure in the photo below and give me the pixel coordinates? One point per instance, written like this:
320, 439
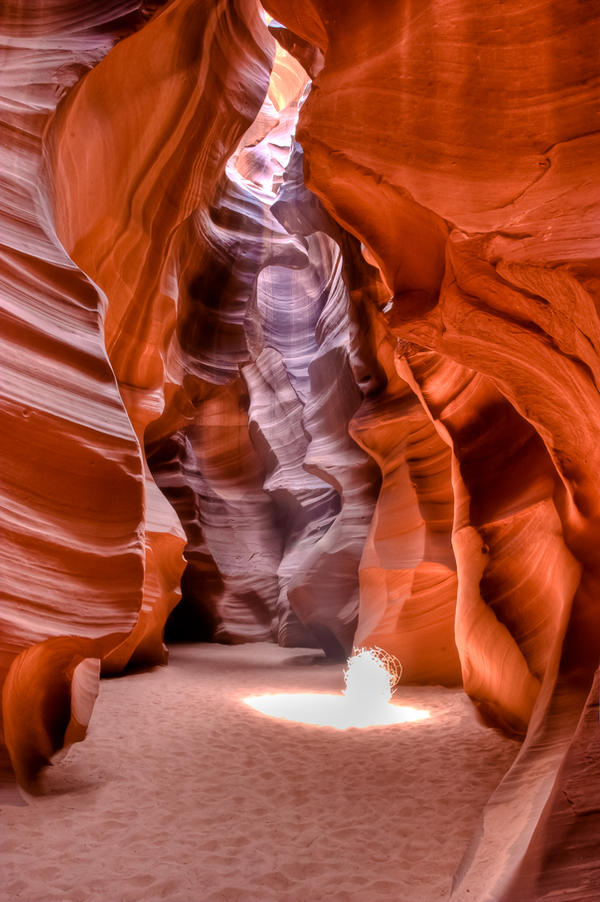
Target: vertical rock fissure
273, 494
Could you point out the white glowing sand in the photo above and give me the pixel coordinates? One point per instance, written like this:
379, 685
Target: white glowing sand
364, 702
337, 711
183, 793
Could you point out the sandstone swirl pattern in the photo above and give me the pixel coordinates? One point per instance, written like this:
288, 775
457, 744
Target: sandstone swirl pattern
371, 411
72, 553
94, 550
460, 144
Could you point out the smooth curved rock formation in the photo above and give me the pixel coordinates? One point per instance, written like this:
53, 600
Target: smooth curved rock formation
72, 556
122, 230
460, 145
274, 496
54, 684
94, 549
396, 448
407, 571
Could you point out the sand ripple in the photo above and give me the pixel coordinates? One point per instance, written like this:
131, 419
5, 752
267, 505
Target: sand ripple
183, 793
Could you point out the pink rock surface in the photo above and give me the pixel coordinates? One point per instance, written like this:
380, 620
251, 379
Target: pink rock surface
407, 570
403, 453
94, 550
275, 496
459, 144
72, 554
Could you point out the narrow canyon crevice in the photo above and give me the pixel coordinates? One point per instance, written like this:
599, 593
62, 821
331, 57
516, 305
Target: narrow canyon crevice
301, 345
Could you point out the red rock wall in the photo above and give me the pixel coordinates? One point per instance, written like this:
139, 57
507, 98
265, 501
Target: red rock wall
275, 497
459, 143
407, 571
185, 320
72, 558
122, 229
93, 557
404, 455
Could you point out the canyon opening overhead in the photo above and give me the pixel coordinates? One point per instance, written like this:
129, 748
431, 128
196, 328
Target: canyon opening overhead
300, 331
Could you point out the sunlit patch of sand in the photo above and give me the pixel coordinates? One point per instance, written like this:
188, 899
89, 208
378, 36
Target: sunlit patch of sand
181, 792
338, 711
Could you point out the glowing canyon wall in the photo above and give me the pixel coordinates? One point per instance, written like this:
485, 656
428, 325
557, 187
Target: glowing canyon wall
364, 413
459, 143
92, 237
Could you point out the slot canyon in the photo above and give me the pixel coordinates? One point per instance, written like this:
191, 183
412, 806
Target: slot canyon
300, 328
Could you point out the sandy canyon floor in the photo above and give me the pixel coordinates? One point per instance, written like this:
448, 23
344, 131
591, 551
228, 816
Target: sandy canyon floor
181, 792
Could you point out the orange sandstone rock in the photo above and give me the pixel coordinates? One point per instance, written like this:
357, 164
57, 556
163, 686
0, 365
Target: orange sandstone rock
460, 145
93, 548
72, 552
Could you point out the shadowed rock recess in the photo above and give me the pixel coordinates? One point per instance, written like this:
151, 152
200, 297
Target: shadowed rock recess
300, 342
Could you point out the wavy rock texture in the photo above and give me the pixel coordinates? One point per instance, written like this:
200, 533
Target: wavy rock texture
182, 297
407, 581
320, 481
122, 230
94, 550
460, 145
274, 495
561, 860
72, 556
407, 572
507, 538
228, 327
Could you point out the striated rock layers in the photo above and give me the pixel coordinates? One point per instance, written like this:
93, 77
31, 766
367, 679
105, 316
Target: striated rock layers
211, 331
367, 414
275, 497
460, 143
92, 557
72, 554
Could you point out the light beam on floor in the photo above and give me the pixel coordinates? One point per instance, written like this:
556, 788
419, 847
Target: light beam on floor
333, 710
371, 675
